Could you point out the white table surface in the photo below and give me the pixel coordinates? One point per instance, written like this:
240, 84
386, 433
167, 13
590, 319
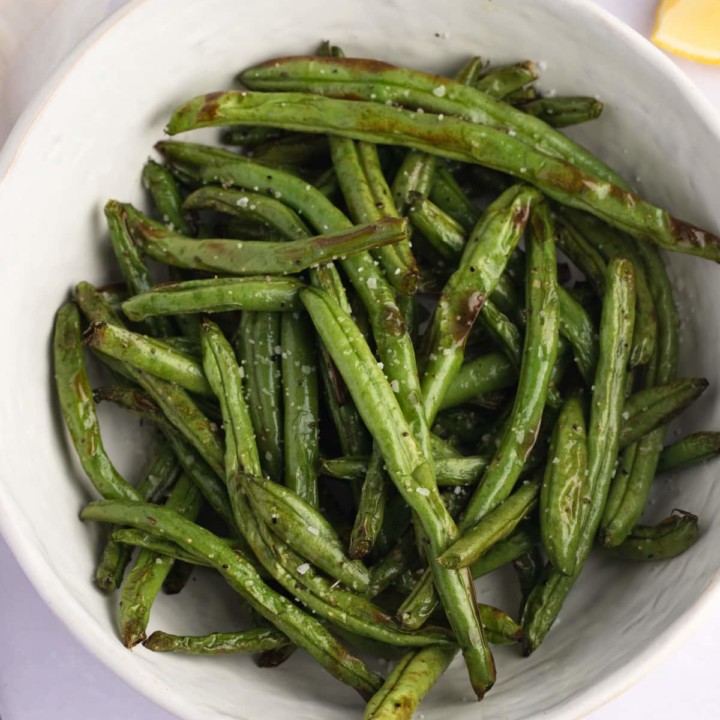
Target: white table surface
44, 672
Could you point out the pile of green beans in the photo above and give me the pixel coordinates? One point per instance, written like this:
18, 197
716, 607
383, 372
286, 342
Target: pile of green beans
366, 378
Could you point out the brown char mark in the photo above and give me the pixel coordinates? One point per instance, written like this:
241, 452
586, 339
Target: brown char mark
468, 310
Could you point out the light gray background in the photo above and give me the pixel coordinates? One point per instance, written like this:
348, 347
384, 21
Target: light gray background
44, 672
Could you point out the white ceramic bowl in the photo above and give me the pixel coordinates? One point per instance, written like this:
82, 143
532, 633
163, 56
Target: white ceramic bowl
85, 138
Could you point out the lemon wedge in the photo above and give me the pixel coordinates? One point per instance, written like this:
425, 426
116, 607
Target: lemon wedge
689, 28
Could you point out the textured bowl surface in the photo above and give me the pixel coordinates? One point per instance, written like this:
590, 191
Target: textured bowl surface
85, 139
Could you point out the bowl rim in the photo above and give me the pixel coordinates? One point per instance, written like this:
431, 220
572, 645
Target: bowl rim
69, 609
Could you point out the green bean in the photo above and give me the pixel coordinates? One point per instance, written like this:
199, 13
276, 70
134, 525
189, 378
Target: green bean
577, 326
301, 628
652, 407
501, 80
236, 257
368, 197
287, 567
161, 185
147, 541
454, 139
352, 435
471, 70
300, 406
495, 526
668, 539
695, 448
619, 486
448, 471
644, 468
258, 294
487, 373
523, 539
500, 627
306, 531
415, 175
408, 683
365, 79
616, 326
150, 570
439, 229
483, 260
610, 245
517, 97
503, 331
245, 641
132, 266
564, 487
371, 507
257, 346
408, 469
253, 206
145, 353
561, 112
540, 352
78, 407
157, 480
447, 194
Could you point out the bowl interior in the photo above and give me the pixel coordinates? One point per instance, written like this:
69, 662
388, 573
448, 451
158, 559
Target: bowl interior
86, 142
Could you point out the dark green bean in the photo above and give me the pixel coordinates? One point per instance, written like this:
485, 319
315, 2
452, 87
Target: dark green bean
300, 406
561, 112
258, 348
668, 539
245, 641
647, 409
564, 487
692, 449
161, 185
249, 205
132, 266
501, 80
78, 407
